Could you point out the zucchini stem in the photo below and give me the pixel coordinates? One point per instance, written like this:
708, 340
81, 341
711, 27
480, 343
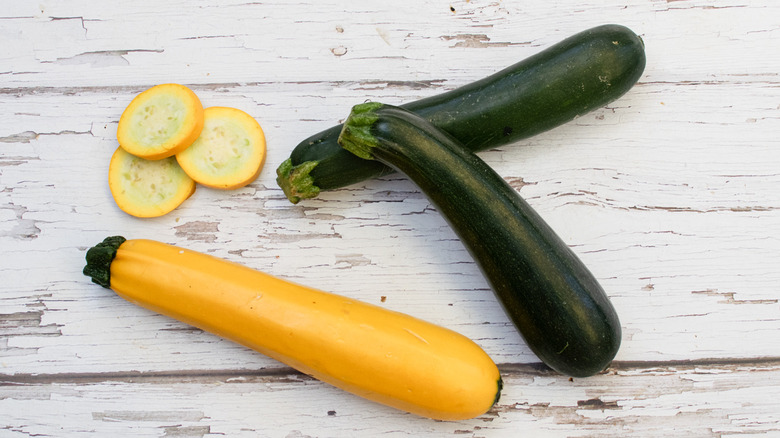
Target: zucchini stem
296, 181
356, 135
99, 259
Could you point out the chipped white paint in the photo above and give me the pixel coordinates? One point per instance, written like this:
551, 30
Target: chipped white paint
669, 194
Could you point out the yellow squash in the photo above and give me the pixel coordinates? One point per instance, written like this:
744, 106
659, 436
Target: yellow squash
381, 355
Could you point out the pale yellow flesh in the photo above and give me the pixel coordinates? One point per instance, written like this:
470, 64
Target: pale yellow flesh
384, 356
160, 122
230, 151
147, 188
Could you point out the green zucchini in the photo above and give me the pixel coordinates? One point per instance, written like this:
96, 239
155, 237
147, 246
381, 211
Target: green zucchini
579, 74
552, 298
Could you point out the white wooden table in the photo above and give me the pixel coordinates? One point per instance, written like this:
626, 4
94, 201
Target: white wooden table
671, 195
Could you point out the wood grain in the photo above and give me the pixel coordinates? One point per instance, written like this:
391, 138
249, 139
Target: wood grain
668, 194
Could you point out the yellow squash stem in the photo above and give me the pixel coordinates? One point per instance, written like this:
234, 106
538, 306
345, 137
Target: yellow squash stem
381, 355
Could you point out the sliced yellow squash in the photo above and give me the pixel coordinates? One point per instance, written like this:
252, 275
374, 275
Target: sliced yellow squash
230, 151
161, 122
147, 188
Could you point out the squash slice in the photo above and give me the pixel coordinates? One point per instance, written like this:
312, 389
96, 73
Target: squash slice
160, 122
230, 151
147, 188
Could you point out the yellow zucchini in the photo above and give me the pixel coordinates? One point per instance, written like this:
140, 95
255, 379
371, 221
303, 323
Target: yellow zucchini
381, 355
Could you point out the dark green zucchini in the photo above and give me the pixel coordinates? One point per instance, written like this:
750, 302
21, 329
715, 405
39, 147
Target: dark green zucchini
552, 298
577, 75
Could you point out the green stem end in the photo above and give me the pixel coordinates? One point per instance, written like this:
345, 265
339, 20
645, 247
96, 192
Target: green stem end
99, 259
296, 181
356, 135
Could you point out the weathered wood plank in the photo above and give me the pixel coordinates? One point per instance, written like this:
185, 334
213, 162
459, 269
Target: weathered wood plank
681, 400
674, 225
80, 44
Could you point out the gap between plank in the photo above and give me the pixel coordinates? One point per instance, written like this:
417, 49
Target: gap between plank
290, 374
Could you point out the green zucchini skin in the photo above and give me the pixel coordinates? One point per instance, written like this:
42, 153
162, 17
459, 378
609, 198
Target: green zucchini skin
577, 75
554, 301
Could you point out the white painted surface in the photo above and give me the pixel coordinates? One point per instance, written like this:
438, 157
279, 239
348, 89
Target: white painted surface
670, 196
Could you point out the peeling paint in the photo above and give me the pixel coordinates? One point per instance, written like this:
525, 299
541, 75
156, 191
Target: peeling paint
186, 431
104, 58
175, 416
21, 229
729, 297
596, 403
518, 183
198, 230
474, 41
347, 261
27, 324
22, 137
